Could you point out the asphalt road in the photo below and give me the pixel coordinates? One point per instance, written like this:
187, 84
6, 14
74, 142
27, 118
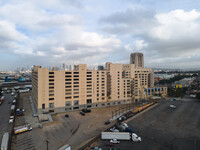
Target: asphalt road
5, 114
165, 128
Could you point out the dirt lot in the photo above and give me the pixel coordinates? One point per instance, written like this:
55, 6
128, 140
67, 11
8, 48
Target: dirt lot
165, 128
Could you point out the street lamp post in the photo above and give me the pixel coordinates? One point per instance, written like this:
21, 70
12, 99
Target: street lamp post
47, 144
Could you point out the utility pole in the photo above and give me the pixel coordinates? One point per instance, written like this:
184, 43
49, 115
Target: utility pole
47, 144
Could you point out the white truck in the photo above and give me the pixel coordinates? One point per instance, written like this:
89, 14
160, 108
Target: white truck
5, 141
23, 91
65, 147
120, 136
22, 129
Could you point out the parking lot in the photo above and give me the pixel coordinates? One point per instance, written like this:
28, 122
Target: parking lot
164, 128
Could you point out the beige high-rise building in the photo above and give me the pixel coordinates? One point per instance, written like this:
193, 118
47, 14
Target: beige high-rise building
66, 90
137, 59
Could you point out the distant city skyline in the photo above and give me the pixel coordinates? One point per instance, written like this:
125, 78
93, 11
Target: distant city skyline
53, 32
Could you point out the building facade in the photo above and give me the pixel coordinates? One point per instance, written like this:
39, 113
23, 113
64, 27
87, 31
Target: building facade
65, 90
137, 59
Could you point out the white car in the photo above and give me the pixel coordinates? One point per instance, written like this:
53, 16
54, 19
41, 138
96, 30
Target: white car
136, 138
172, 106
11, 117
114, 130
11, 120
114, 141
125, 124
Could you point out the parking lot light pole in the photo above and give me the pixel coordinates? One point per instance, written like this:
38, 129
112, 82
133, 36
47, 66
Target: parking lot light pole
47, 144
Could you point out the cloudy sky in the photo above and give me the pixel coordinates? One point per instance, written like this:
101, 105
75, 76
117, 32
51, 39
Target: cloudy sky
52, 32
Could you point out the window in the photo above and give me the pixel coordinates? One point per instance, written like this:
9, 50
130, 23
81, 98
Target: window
51, 99
68, 86
89, 88
68, 79
69, 76
89, 95
68, 72
51, 83
50, 91
76, 85
76, 96
89, 78
89, 75
89, 91
76, 102
51, 76
102, 94
89, 85
51, 87
51, 94
43, 106
67, 89
102, 84
76, 93
51, 105
89, 82
76, 82
76, 89
68, 103
76, 76
76, 72
89, 72
67, 93
51, 79
89, 101
69, 97
51, 72
76, 79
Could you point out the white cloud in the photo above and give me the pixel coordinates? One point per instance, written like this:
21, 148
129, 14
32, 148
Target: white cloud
174, 34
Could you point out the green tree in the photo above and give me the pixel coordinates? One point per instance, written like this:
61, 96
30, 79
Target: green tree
198, 96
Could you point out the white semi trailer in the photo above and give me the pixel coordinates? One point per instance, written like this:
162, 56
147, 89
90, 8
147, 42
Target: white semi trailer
22, 129
5, 141
120, 136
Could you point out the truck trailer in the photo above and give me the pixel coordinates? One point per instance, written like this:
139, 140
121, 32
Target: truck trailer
120, 136
5, 141
22, 129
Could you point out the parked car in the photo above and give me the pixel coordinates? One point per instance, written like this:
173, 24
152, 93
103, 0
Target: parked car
82, 113
114, 130
115, 141
172, 106
86, 110
66, 116
11, 121
20, 112
107, 122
